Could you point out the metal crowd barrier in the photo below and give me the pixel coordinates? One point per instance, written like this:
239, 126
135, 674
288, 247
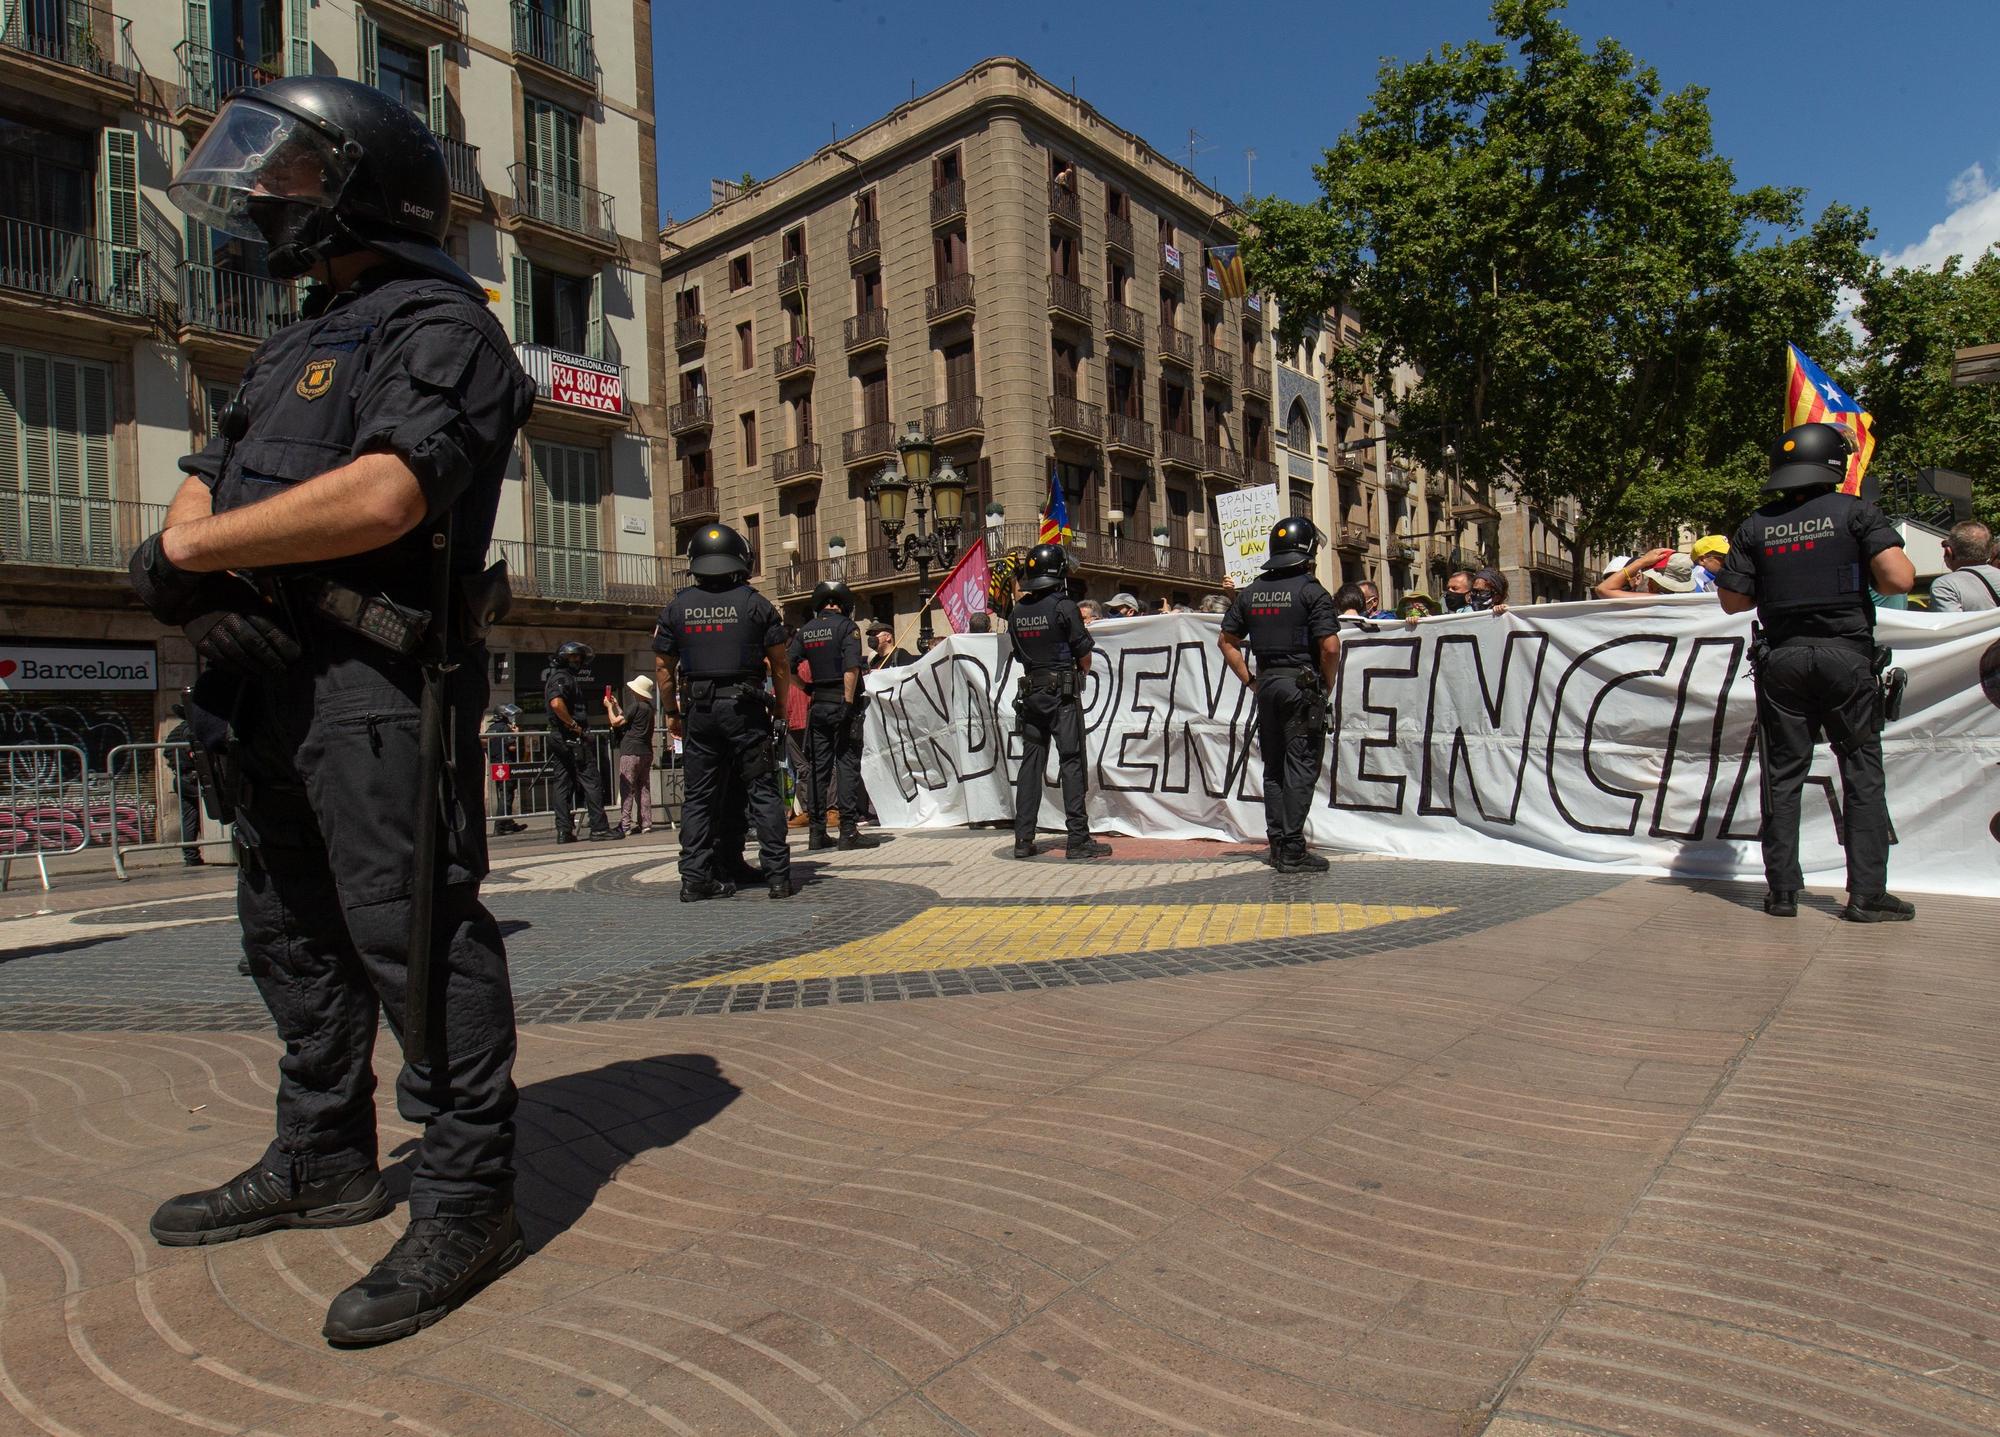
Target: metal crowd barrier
528, 791
155, 784
47, 806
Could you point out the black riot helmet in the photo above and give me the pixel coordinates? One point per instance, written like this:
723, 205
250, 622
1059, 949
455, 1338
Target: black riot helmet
575, 654
832, 591
1294, 543
1047, 568
717, 556
317, 166
1808, 457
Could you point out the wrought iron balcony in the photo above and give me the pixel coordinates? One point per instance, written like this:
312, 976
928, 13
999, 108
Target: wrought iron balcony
565, 48
690, 330
801, 461
77, 269
954, 416
1397, 481
1118, 232
870, 441
1064, 204
864, 240
1216, 365
1468, 558
1260, 471
792, 274
1351, 537
1122, 431
1182, 449
561, 574
1437, 487
242, 306
1176, 347
871, 326
72, 35
1346, 466
947, 202
208, 77
1075, 417
1221, 462
950, 298
70, 531
1066, 296
446, 15
692, 506
562, 203
1257, 379
689, 415
1125, 322
794, 356
462, 161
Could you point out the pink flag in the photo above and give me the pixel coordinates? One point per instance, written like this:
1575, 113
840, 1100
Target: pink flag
963, 592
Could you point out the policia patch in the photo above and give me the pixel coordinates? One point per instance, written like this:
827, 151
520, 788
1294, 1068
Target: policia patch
317, 379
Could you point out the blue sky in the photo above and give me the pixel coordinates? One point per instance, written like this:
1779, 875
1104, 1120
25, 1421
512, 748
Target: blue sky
1888, 104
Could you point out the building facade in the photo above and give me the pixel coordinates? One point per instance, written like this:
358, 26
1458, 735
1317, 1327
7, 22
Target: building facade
124, 327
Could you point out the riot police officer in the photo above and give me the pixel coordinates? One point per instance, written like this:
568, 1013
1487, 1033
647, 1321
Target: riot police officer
325, 558
831, 645
1805, 562
1053, 647
714, 641
1289, 622
572, 752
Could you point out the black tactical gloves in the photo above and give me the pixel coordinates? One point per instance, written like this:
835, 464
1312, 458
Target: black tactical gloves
222, 616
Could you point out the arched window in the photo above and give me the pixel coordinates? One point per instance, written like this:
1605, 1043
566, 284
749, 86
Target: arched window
1298, 429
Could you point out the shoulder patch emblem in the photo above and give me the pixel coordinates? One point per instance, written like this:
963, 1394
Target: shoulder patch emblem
317, 379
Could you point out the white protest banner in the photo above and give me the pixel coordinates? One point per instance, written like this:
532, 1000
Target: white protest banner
1608, 736
1243, 522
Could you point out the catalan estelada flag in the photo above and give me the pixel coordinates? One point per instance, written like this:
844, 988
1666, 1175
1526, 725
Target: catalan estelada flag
1227, 262
1055, 518
1812, 397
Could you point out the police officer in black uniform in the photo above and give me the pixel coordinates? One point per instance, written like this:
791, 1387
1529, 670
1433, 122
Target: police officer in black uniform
1053, 646
1288, 620
1805, 563
831, 644
572, 753
324, 556
715, 640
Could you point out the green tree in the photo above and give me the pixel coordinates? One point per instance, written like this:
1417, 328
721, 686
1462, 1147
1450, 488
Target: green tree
1595, 312
1915, 319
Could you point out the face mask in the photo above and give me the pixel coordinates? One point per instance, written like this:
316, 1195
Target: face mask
1453, 602
1481, 599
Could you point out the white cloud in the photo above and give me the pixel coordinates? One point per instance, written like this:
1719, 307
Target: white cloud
1972, 226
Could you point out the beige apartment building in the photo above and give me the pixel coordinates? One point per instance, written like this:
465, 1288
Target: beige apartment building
124, 328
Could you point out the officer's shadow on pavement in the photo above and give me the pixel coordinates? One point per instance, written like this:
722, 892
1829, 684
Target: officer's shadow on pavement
578, 1130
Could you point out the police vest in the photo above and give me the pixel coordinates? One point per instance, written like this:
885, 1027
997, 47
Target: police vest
1047, 632
719, 633
561, 683
828, 640
1807, 555
1277, 617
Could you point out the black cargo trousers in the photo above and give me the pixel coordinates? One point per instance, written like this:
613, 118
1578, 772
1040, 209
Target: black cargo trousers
1804, 689
327, 809
729, 756
1047, 711
1291, 739
833, 747
576, 773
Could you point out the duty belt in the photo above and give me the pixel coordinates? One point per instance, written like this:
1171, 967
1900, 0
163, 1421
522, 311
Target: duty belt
1058, 681
706, 693
832, 688
376, 618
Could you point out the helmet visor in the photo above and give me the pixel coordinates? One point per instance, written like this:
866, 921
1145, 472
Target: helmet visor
256, 151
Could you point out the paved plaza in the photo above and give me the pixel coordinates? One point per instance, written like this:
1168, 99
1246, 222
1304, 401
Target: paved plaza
1167, 1144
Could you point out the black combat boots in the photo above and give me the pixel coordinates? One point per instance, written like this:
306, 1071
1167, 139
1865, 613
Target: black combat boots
817, 837
435, 1265
259, 1200
850, 837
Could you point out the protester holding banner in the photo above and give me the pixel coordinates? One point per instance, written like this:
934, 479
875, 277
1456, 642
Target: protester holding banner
1805, 562
1292, 627
1053, 648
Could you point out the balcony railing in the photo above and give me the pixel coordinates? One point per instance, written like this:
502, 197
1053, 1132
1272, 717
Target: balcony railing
1468, 559
691, 506
1066, 296
792, 274
1182, 449
947, 202
1132, 552
208, 77
1397, 481
801, 461
870, 441
1125, 322
794, 356
1257, 379
1118, 232
69, 531
1222, 462
864, 240
1437, 487
1260, 471
954, 416
1064, 204
952, 296
1073, 416
557, 573
557, 200
1124, 432
1176, 346
71, 34
62, 265
871, 326
1346, 466
462, 160
556, 43
1216, 365
690, 329
1352, 537
451, 13
245, 306
689, 415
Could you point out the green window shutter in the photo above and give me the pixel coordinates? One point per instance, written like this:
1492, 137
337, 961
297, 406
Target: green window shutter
198, 27
200, 57
593, 342
437, 99
524, 302
298, 37
118, 188
368, 42
579, 14
543, 518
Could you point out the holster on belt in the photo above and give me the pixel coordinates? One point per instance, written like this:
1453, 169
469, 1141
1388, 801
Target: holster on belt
210, 715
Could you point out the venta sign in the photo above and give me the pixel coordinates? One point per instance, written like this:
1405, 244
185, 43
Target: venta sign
46, 668
585, 384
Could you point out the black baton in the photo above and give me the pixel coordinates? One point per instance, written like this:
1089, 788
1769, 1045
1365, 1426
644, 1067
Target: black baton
430, 772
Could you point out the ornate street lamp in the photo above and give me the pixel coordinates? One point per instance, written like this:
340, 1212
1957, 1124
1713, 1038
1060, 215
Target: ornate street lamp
907, 492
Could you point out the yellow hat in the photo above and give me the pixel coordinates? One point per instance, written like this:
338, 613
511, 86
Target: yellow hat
1712, 544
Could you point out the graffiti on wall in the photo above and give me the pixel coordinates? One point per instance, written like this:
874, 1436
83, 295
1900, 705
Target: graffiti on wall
44, 804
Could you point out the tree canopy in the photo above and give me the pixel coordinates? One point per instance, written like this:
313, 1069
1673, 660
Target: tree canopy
1596, 313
